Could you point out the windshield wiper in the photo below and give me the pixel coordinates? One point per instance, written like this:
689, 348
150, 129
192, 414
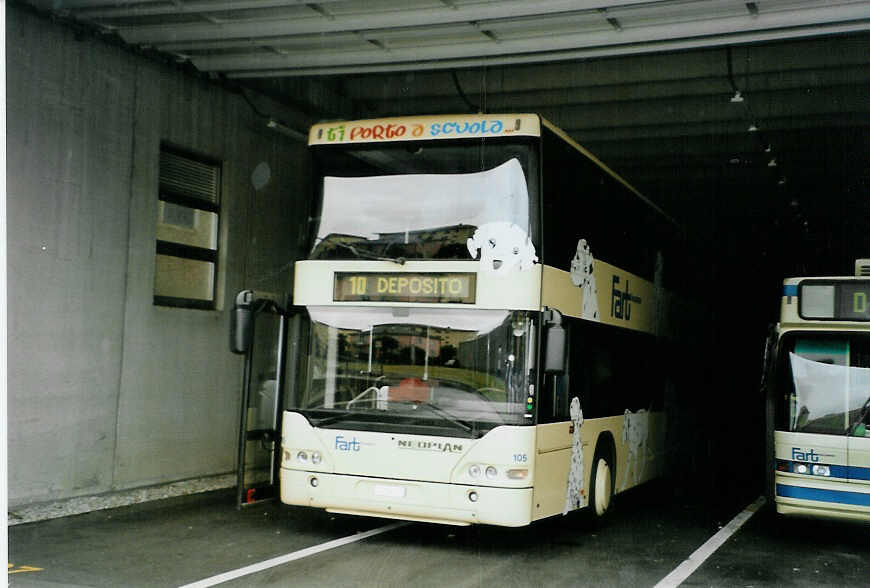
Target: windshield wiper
367, 255
446, 416
336, 418
322, 422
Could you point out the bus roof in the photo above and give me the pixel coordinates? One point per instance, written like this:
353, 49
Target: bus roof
455, 126
414, 128
567, 138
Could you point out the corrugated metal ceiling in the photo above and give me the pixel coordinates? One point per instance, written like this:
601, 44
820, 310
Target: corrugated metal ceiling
649, 86
248, 38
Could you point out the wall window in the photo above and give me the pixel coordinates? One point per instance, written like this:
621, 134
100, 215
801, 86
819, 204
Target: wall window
188, 217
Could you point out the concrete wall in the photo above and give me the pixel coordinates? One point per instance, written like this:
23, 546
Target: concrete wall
106, 390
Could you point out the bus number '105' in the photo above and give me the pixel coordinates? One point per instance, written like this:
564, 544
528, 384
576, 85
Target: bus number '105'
520, 458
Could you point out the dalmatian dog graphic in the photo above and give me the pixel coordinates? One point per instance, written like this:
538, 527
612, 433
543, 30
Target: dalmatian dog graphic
503, 247
581, 275
635, 433
575, 497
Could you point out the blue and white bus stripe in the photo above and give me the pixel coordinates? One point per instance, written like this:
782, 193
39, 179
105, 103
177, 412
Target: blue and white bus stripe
823, 495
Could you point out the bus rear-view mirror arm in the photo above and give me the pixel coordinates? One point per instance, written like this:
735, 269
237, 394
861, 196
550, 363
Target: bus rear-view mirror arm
246, 306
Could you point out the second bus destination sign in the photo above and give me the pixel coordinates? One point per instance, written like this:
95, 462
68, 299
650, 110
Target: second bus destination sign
457, 288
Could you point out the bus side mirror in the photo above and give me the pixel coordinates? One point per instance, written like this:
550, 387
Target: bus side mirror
242, 322
554, 354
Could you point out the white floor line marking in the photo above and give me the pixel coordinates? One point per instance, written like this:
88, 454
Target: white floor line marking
282, 559
685, 569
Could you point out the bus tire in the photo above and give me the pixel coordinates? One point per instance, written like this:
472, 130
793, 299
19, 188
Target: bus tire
600, 486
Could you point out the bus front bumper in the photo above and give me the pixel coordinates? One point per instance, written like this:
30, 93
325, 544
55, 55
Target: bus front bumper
796, 495
452, 504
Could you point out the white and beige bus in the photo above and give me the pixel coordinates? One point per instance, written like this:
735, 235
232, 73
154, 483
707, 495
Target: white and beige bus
818, 388
488, 325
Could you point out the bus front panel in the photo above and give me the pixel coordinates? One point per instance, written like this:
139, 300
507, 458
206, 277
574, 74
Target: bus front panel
445, 479
822, 418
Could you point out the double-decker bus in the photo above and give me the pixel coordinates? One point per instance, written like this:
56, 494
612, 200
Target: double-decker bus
489, 327
818, 394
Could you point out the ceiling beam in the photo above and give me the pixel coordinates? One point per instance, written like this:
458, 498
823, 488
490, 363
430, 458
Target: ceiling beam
806, 54
427, 60
775, 105
112, 9
367, 18
444, 98
713, 129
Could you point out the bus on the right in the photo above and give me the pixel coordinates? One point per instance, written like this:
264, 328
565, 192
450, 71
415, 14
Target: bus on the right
817, 384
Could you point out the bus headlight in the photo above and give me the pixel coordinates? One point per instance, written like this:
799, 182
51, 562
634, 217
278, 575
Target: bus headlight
474, 470
316, 457
821, 470
801, 468
302, 456
491, 472
518, 474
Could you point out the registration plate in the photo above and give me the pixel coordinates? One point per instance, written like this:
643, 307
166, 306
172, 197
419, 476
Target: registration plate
389, 491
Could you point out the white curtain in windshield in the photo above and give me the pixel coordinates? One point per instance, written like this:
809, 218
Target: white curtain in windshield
369, 206
825, 393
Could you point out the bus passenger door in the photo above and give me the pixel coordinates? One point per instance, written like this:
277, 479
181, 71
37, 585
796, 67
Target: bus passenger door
858, 443
859, 461
554, 433
552, 464
264, 354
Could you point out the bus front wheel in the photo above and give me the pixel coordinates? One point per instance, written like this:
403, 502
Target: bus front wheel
601, 486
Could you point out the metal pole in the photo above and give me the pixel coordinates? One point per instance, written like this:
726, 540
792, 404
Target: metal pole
243, 422
277, 400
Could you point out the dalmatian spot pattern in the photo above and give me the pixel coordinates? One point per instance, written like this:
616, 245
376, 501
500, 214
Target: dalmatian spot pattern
503, 247
574, 495
582, 275
635, 433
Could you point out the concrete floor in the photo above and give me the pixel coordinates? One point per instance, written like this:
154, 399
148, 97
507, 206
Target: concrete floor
182, 540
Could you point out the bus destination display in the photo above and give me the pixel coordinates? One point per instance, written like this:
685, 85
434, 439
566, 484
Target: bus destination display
853, 301
457, 288
827, 299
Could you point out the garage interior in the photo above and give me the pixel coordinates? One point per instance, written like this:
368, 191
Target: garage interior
746, 121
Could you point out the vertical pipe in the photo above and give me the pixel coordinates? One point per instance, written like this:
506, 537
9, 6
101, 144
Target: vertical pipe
243, 422
371, 342
331, 366
278, 396
426, 360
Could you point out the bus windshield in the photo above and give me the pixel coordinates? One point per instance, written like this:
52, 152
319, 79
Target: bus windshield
827, 385
453, 372
419, 200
